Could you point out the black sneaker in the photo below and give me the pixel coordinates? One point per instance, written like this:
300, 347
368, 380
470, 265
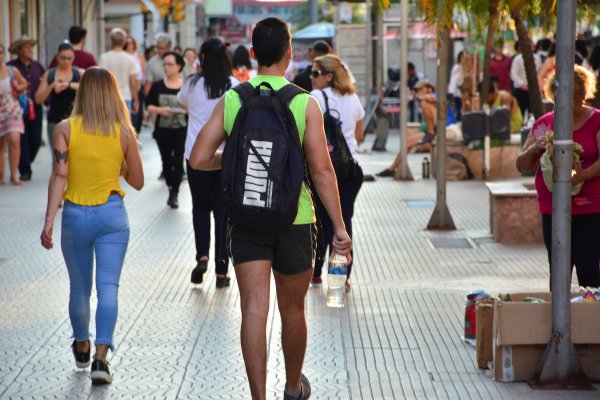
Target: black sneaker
100, 373
198, 272
304, 390
223, 281
82, 359
173, 202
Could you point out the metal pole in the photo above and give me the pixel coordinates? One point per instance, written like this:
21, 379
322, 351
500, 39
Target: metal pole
560, 366
369, 47
155, 16
441, 218
403, 171
314, 11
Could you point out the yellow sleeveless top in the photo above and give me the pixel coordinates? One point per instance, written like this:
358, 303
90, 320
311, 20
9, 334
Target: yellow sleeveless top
94, 165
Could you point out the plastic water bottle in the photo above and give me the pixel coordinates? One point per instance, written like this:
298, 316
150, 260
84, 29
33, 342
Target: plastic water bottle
336, 280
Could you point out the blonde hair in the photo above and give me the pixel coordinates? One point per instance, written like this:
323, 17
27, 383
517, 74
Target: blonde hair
118, 37
341, 81
100, 104
133, 41
583, 82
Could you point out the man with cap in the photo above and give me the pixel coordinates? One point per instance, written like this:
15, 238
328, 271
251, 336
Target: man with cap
32, 71
302, 79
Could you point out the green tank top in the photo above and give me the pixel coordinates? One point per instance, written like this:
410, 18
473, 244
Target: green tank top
306, 211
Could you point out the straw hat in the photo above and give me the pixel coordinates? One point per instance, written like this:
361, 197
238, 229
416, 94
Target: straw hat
20, 42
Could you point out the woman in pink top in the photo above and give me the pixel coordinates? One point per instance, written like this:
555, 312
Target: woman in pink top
585, 207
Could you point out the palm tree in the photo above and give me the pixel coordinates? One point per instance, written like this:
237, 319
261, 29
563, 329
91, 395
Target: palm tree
494, 12
440, 12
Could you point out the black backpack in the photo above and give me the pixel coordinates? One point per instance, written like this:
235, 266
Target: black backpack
263, 164
339, 152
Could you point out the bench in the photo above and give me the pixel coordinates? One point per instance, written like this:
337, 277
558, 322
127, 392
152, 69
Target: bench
514, 215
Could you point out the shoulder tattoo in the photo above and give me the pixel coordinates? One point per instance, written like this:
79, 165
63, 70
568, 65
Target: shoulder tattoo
61, 156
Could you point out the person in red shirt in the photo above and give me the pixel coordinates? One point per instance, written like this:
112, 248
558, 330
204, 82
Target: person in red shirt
500, 67
83, 59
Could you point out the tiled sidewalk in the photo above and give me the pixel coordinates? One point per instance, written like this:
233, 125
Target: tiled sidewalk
399, 337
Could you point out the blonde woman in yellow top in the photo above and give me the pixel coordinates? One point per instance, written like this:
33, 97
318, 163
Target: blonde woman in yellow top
92, 149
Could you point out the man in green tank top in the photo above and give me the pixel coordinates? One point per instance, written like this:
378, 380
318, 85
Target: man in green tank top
290, 252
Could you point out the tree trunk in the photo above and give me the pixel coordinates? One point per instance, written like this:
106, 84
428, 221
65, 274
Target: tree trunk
489, 44
535, 96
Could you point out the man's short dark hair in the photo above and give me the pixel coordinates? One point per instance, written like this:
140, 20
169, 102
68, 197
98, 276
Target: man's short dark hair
76, 34
270, 41
321, 47
411, 65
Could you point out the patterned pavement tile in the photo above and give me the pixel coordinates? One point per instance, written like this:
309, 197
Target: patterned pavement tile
399, 337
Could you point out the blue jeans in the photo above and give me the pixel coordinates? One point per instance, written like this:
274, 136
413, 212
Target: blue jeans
102, 229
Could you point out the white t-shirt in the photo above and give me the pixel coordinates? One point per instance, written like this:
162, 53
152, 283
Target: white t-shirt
456, 80
200, 107
122, 65
350, 111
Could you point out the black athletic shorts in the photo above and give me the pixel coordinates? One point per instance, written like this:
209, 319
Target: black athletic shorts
291, 251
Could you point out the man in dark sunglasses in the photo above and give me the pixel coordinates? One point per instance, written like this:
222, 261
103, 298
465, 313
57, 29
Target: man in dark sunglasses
302, 79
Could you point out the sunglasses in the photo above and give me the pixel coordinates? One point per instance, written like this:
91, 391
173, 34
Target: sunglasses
316, 73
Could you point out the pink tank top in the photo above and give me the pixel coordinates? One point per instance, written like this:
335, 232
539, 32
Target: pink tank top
588, 200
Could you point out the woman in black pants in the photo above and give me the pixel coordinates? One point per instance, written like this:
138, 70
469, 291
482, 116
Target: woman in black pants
334, 90
170, 127
200, 94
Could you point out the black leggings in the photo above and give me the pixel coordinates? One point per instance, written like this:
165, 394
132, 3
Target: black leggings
585, 247
171, 144
348, 193
207, 197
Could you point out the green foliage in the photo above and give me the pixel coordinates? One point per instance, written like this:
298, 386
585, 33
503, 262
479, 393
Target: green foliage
300, 17
438, 11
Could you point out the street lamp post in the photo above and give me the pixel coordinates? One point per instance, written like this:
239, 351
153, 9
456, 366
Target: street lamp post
314, 11
560, 367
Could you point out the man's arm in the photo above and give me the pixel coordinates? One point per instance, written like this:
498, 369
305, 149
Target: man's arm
323, 175
204, 155
135, 89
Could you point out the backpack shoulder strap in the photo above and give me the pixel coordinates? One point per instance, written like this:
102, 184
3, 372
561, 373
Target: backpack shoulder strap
288, 92
76, 76
245, 90
51, 75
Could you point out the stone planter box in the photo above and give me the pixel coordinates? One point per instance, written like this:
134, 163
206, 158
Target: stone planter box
514, 215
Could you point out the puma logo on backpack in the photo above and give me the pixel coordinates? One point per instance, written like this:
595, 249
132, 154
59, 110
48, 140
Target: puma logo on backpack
263, 160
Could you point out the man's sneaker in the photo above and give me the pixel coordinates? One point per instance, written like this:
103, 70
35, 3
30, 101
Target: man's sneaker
316, 281
198, 272
100, 373
304, 390
82, 358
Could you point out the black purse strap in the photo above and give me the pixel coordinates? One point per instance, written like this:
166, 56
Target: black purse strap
326, 101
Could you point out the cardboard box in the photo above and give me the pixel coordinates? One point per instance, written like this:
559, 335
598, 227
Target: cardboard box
522, 331
485, 324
